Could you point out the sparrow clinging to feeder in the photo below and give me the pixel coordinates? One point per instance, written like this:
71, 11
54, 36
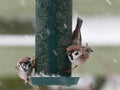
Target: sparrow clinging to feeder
24, 68
77, 53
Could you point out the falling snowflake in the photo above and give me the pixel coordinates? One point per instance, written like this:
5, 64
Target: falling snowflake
55, 53
22, 2
115, 60
48, 32
109, 2
65, 25
40, 35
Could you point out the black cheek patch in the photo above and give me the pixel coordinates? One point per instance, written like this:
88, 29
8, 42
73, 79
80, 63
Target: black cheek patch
76, 53
70, 54
29, 65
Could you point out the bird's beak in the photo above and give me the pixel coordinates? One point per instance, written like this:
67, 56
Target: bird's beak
91, 50
67, 53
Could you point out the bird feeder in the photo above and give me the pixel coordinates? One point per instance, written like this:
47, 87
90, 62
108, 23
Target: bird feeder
53, 33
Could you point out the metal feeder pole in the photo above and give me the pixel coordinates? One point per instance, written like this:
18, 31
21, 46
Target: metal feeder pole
53, 34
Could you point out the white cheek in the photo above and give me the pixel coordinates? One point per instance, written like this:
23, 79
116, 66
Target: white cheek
20, 68
76, 61
77, 56
69, 57
27, 67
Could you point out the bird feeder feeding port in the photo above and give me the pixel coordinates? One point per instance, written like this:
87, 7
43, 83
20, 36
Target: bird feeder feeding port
53, 33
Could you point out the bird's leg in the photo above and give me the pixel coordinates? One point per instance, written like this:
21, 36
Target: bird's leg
74, 67
69, 70
26, 80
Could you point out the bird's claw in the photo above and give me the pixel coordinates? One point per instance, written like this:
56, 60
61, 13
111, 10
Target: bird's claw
33, 62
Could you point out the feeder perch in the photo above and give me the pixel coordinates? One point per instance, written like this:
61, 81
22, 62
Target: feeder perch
53, 34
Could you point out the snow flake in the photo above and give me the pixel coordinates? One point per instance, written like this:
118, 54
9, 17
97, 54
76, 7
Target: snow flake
109, 2
22, 2
48, 32
65, 25
115, 60
55, 53
40, 35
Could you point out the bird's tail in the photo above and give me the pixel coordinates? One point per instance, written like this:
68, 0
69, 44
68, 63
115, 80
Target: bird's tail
79, 23
77, 32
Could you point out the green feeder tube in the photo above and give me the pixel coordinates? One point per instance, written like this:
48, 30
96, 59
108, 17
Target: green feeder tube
53, 34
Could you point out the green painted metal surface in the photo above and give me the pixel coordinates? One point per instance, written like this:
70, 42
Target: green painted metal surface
67, 81
53, 34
